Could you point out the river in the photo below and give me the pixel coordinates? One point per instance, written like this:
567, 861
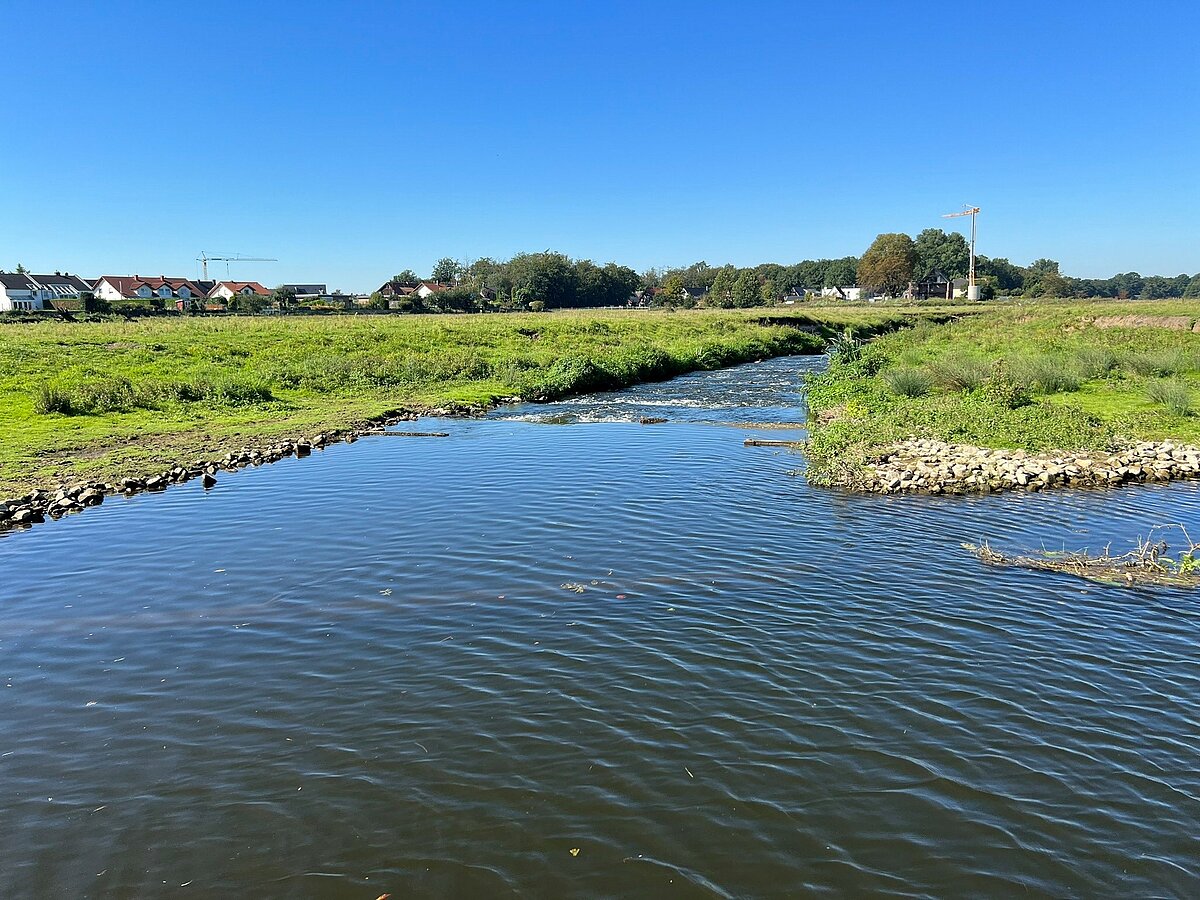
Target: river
563, 654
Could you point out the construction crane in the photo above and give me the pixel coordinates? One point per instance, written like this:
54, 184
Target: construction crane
972, 290
204, 259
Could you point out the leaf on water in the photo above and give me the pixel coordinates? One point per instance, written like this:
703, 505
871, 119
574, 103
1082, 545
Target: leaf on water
575, 851
572, 586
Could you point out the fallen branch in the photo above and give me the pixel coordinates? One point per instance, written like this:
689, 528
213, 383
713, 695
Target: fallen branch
1150, 562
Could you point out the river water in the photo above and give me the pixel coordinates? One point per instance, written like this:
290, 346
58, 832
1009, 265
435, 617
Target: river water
563, 654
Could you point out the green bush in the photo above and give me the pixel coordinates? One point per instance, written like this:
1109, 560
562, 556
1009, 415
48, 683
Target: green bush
961, 372
1000, 389
1159, 362
1173, 393
907, 382
1095, 362
1044, 374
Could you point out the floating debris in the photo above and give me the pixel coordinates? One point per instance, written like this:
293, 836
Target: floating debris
1149, 563
572, 586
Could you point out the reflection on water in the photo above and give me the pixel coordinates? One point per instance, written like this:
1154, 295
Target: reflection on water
363, 673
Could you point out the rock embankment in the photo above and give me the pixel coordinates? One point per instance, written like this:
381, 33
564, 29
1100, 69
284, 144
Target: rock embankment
935, 467
39, 505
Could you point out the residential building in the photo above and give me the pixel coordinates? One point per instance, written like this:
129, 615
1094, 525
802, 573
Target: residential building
307, 291
852, 293
429, 288
121, 288
227, 290
397, 289
31, 292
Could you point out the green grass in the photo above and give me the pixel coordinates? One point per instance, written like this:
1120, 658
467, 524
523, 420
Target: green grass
1037, 376
97, 400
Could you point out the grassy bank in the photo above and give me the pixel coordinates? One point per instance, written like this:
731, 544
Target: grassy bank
1035, 376
105, 399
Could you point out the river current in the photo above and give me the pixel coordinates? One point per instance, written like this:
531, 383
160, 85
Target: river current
560, 653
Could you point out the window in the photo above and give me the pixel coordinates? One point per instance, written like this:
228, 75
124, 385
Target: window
144, 291
164, 291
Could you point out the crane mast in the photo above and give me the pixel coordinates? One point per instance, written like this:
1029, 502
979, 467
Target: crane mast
972, 211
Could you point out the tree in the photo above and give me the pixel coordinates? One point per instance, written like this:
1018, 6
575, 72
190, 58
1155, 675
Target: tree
283, 296
547, 276
21, 270
1192, 291
446, 271
408, 276
935, 249
887, 266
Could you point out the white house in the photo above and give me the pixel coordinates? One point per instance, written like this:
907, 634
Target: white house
851, 293
117, 288
226, 290
38, 291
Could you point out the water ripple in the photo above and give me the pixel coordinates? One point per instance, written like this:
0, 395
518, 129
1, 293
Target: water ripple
363, 674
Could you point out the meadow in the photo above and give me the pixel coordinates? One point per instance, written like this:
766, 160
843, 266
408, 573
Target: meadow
103, 399
1037, 376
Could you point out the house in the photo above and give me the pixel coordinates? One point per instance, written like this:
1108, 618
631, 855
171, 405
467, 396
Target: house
958, 287
18, 292
30, 292
429, 288
306, 291
227, 290
934, 286
851, 293
179, 292
397, 289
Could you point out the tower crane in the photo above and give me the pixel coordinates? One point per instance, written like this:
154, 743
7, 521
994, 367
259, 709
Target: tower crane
204, 259
972, 211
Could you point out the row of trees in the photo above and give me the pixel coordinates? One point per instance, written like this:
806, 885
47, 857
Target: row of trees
546, 280
893, 260
888, 266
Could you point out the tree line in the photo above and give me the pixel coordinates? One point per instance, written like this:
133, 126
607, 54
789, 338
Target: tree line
894, 261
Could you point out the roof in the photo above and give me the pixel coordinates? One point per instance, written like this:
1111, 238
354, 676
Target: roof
434, 286
128, 285
238, 286
397, 287
16, 282
937, 276
308, 288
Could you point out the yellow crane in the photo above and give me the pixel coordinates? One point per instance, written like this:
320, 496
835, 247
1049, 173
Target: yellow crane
972, 290
204, 259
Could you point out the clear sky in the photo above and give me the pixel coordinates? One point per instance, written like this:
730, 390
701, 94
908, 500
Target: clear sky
353, 140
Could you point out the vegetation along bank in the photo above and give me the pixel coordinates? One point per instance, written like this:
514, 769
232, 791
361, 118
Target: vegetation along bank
122, 405
1025, 396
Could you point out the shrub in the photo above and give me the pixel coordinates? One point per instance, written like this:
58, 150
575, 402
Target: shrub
1044, 374
959, 372
907, 382
1095, 362
1000, 389
1159, 362
1173, 393
52, 398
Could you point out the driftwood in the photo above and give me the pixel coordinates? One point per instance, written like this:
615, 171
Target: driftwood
1148, 563
763, 442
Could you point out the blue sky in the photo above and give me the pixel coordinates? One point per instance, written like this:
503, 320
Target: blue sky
353, 140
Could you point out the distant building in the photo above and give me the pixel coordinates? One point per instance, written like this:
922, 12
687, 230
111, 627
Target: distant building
179, 292
31, 292
851, 293
934, 286
227, 290
307, 291
429, 288
397, 289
